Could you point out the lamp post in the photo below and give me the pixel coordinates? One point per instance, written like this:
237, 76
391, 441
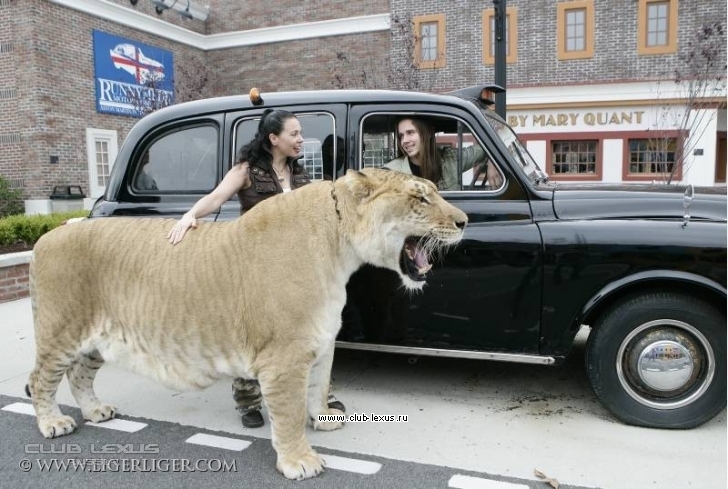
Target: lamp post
500, 55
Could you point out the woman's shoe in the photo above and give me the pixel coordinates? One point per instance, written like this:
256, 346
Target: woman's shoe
334, 403
253, 419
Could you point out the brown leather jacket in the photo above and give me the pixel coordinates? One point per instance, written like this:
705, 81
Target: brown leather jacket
264, 185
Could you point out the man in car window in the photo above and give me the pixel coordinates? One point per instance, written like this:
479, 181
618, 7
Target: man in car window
420, 156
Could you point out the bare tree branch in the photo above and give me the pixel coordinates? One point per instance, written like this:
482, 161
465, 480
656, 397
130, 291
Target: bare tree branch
400, 73
190, 83
700, 77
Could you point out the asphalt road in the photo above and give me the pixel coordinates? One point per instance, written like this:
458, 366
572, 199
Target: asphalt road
493, 421
163, 454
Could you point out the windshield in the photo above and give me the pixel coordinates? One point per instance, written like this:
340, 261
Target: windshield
527, 164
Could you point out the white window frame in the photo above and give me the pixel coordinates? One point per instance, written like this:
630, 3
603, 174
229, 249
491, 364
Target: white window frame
92, 136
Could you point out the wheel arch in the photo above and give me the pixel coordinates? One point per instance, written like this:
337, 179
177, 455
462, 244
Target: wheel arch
652, 281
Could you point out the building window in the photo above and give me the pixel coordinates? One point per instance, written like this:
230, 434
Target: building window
103, 169
657, 24
430, 41
575, 29
652, 157
574, 158
657, 28
511, 35
379, 148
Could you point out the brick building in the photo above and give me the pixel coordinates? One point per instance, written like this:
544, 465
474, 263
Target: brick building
589, 81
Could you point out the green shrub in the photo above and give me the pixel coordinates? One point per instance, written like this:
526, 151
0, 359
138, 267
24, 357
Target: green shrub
28, 229
10, 202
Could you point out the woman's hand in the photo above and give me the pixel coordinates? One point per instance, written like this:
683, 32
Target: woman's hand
234, 180
179, 230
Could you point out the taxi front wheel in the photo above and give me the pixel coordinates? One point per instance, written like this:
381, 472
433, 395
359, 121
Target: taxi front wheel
659, 360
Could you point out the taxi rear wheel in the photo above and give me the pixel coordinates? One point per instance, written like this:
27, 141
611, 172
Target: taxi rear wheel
659, 360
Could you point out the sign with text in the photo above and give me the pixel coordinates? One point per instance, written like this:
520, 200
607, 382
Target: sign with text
599, 118
131, 78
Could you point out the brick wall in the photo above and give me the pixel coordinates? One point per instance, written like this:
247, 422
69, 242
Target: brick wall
10, 148
13, 282
51, 68
229, 15
47, 81
615, 44
306, 64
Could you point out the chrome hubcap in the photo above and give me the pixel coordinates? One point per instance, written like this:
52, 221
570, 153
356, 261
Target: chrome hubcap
665, 364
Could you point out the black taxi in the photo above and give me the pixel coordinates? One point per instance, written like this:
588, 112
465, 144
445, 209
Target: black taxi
644, 266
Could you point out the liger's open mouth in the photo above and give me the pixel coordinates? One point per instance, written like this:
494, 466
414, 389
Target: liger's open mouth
413, 260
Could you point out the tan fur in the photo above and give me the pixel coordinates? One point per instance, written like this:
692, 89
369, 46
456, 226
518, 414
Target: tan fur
259, 297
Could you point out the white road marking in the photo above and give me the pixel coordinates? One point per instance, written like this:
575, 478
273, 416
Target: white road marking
218, 442
112, 424
351, 465
119, 425
468, 482
20, 407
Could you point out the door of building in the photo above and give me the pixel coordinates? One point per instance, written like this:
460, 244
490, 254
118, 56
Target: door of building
720, 158
101, 149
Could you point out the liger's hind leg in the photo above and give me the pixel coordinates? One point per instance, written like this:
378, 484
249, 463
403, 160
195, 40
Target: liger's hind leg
43, 384
81, 379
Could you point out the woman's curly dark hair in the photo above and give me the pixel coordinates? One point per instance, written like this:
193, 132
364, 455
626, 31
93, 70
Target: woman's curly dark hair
258, 151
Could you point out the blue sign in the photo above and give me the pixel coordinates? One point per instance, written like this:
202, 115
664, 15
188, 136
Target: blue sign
131, 78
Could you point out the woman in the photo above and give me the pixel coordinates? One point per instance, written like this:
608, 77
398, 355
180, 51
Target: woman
420, 156
266, 166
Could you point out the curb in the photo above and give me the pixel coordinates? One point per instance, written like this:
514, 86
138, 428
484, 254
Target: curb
11, 259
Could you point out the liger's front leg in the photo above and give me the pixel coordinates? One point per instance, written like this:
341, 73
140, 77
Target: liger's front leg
284, 388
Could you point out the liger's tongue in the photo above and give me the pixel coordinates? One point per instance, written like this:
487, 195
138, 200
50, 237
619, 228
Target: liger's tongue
417, 255
420, 258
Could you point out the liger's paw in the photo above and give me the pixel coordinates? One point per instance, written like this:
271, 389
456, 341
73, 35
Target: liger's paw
102, 412
332, 420
298, 468
55, 426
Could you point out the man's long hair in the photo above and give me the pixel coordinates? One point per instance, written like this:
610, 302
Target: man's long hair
430, 165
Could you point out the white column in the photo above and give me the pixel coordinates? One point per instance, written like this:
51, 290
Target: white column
700, 169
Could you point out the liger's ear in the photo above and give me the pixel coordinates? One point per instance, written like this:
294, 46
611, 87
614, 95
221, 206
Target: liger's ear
359, 184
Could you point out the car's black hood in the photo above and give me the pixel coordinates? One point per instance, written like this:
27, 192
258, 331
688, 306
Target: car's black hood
602, 201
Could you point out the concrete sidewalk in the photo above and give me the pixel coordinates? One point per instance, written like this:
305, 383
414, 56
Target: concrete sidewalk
498, 418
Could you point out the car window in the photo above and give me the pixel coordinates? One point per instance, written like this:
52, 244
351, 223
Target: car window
461, 157
181, 161
321, 152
